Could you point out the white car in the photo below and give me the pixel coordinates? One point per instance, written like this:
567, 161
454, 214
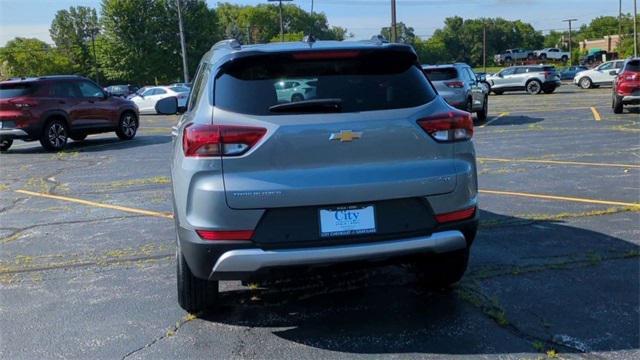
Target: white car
601, 75
296, 90
146, 100
552, 54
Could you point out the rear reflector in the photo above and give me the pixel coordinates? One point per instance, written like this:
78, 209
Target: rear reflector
451, 126
225, 235
203, 140
456, 215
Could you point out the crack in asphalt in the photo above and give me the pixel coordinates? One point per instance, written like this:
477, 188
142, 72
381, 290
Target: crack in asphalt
169, 333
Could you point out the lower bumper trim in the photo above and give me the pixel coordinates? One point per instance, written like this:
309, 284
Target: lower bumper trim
252, 260
13, 133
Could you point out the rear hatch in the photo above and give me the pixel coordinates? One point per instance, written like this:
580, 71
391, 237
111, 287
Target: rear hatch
14, 98
357, 141
447, 82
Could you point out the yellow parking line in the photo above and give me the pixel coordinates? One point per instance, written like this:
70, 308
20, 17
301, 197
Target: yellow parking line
596, 114
561, 198
559, 162
495, 118
97, 204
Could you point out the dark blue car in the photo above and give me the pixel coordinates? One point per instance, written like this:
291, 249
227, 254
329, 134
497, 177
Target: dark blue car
570, 72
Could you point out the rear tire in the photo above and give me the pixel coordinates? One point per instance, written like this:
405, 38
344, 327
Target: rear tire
549, 91
54, 135
533, 87
5, 145
617, 105
482, 114
127, 126
194, 294
442, 270
543, 56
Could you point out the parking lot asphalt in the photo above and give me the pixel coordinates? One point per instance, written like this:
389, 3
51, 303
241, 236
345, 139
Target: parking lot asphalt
87, 245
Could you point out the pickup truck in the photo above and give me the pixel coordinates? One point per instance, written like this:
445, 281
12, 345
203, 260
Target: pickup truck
511, 55
552, 54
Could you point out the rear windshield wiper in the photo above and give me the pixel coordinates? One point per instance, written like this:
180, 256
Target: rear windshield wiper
310, 106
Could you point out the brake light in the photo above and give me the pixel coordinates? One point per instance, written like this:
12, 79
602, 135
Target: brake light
200, 140
456, 215
630, 76
454, 84
451, 126
323, 55
225, 235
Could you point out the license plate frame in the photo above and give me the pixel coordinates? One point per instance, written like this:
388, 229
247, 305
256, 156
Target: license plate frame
348, 220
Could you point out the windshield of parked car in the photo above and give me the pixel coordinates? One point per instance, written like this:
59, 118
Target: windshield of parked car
14, 90
376, 80
439, 74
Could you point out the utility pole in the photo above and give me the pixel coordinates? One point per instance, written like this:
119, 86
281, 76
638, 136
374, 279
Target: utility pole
281, 21
394, 28
635, 28
183, 46
95, 60
484, 47
619, 21
570, 45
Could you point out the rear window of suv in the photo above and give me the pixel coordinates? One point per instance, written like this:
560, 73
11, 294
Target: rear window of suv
14, 90
440, 74
361, 81
633, 65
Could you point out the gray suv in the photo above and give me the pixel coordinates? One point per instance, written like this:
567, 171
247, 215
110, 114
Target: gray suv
533, 79
459, 86
376, 167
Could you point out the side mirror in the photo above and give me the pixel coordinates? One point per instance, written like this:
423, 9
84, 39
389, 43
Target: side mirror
613, 72
167, 106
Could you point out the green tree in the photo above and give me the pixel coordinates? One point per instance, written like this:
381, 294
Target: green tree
32, 57
73, 31
141, 44
405, 33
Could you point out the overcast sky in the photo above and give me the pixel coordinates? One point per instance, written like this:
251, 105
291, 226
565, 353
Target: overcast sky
32, 18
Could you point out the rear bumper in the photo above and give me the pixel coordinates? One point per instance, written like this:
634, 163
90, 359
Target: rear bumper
238, 264
13, 134
631, 99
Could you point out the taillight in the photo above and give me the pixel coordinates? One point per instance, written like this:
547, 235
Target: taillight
451, 126
454, 84
23, 103
630, 76
456, 215
225, 235
200, 140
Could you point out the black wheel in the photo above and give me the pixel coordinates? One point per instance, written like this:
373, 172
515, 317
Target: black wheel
564, 59
533, 87
5, 144
543, 56
507, 59
617, 105
482, 114
78, 137
128, 126
297, 97
549, 90
442, 270
54, 135
497, 92
194, 294
469, 107
585, 83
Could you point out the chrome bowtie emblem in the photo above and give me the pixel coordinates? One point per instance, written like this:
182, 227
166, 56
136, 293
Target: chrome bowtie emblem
346, 135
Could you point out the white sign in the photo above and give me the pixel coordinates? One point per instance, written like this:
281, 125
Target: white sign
351, 220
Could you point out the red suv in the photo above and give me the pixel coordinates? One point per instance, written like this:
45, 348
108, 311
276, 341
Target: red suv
626, 86
52, 109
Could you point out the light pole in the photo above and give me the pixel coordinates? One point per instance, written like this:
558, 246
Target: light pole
635, 28
484, 47
281, 21
570, 47
183, 46
94, 31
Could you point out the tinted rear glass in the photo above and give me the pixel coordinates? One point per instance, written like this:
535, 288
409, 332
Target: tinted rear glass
633, 65
440, 74
14, 90
362, 81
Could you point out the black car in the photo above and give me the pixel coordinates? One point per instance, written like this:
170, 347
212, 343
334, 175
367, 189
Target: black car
121, 90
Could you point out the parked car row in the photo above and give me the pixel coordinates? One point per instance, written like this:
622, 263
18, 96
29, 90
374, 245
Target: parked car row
533, 79
514, 55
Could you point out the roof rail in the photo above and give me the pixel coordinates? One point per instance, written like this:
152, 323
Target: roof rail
233, 44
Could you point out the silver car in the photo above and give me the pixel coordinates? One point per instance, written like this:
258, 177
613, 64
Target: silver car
533, 79
459, 86
376, 168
